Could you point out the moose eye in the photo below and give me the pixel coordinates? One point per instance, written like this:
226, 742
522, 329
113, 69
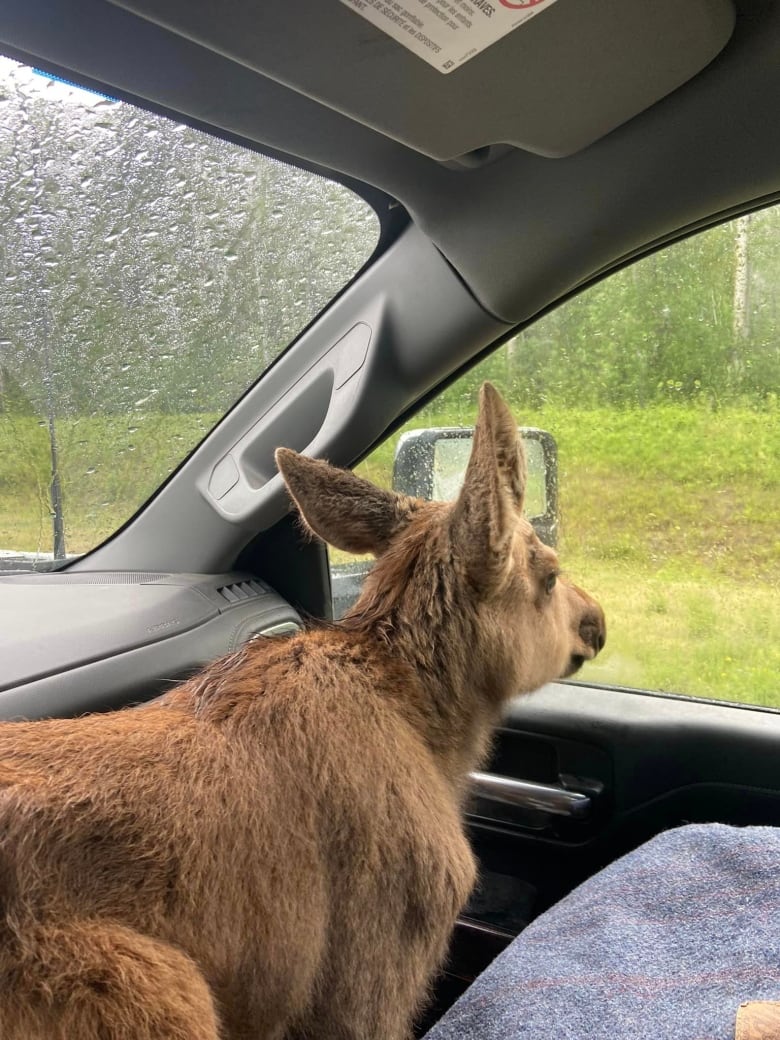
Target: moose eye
549, 582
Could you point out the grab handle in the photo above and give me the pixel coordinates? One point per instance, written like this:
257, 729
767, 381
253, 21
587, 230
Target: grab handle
525, 794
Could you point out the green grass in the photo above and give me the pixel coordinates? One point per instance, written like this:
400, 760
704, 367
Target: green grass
109, 466
670, 515
686, 633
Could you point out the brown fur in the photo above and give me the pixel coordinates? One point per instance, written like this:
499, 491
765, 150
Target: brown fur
275, 849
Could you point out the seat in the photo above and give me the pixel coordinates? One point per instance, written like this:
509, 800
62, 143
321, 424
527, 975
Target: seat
665, 944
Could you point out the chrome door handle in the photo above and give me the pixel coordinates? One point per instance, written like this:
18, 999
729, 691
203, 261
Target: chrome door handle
525, 794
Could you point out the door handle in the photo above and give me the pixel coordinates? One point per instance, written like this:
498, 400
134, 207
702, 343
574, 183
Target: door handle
526, 794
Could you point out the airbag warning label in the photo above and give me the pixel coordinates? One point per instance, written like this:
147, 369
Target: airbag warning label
447, 33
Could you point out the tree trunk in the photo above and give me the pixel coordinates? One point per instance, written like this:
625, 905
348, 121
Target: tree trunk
741, 299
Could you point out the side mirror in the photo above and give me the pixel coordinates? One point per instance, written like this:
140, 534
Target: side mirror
432, 464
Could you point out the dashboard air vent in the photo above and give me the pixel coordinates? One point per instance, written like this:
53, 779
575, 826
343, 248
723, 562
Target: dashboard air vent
241, 591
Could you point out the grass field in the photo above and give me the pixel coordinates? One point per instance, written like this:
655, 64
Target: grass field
669, 514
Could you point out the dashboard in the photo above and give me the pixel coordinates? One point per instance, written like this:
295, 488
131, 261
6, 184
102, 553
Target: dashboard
94, 641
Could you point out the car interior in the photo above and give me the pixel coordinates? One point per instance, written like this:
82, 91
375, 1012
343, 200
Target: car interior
586, 135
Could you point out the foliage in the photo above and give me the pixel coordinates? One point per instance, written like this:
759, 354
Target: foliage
670, 327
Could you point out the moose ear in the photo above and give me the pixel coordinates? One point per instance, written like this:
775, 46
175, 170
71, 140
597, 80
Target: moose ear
342, 509
484, 515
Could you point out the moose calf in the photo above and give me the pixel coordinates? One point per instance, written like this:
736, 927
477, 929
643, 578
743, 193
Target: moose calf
275, 849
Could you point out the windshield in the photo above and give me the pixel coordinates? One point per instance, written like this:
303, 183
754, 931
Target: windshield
149, 274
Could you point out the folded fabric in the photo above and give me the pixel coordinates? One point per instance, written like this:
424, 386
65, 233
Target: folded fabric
663, 944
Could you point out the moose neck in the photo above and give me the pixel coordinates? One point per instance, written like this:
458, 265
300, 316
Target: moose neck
412, 610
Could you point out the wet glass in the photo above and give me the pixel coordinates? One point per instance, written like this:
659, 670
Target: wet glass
149, 274
449, 468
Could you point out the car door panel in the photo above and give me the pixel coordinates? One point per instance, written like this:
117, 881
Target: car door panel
648, 762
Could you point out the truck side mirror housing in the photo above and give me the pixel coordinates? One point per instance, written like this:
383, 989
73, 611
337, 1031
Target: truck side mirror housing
431, 464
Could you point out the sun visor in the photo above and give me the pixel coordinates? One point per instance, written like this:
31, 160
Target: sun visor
450, 77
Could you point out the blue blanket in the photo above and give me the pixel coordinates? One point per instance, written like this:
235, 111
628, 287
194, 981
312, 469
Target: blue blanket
664, 944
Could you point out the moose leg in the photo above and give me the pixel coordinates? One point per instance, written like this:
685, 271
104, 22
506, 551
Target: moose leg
391, 932
373, 989
357, 1013
101, 981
